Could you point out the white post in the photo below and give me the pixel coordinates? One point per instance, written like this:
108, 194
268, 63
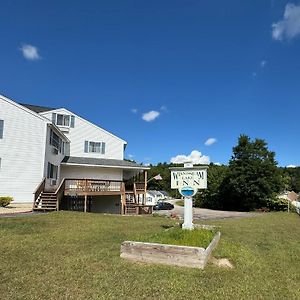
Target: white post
188, 213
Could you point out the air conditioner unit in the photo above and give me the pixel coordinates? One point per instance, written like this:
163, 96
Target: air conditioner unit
53, 182
54, 151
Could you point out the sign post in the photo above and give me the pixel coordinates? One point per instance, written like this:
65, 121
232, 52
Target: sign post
188, 180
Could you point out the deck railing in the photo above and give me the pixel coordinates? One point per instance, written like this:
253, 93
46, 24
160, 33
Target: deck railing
92, 185
139, 186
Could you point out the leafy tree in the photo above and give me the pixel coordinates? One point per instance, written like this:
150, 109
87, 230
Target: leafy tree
253, 177
294, 175
210, 198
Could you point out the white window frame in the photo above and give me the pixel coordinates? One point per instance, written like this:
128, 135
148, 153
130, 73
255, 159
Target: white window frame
65, 120
95, 147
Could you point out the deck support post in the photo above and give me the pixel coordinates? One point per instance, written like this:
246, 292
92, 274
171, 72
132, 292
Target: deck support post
145, 192
85, 202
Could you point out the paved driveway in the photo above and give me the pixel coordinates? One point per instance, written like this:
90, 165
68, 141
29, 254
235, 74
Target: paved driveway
204, 213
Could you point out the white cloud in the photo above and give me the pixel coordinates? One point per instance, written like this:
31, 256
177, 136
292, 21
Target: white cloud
291, 166
30, 52
217, 163
289, 26
134, 110
210, 141
150, 116
195, 157
263, 63
130, 156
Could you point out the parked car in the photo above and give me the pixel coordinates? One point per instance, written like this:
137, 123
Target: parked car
163, 206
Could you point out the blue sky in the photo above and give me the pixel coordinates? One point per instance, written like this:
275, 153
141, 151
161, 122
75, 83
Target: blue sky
164, 75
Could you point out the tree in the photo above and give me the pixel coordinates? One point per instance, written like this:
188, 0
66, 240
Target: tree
210, 197
294, 176
253, 178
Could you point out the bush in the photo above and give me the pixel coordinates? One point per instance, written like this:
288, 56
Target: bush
5, 200
279, 204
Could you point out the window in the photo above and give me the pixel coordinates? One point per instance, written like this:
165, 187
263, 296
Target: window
52, 171
57, 142
1, 128
63, 120
94, 147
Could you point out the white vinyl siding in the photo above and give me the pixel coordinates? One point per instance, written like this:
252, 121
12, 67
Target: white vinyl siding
85, 131
91, 172
22, 150
53, 157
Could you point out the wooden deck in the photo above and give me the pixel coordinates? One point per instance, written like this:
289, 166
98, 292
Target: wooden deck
133, 197
93, 187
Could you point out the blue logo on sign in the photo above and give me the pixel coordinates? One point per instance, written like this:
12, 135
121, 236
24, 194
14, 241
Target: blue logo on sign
187, 191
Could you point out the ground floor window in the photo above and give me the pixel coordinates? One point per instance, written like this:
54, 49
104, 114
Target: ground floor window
52, 171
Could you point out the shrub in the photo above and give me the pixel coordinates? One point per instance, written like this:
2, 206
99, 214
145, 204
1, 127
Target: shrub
278, 204
5, 200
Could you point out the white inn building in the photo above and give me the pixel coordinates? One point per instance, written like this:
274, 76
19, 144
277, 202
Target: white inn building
55, 159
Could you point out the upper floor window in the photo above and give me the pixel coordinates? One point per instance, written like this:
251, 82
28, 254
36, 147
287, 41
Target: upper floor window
63, 120
57, 142
1, 128
94, 147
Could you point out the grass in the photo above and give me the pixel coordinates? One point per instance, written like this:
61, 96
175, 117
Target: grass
176, 236
69, 255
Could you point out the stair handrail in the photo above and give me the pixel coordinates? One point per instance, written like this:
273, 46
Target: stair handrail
39, 190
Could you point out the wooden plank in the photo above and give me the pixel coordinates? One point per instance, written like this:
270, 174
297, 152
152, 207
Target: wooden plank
184, 256
213, 244
163, 254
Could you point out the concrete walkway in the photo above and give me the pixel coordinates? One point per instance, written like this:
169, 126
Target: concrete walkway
204, 213
16, 208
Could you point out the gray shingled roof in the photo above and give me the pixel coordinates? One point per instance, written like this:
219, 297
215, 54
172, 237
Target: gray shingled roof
154, 193
37, 108
102, 162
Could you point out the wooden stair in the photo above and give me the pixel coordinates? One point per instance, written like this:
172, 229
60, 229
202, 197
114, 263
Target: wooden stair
47, 201
130, 207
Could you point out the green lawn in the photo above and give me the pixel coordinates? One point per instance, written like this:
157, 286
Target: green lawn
176, 236
69, 255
